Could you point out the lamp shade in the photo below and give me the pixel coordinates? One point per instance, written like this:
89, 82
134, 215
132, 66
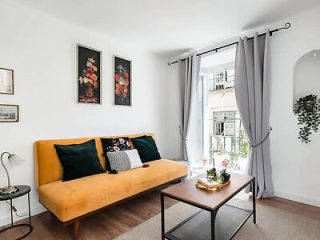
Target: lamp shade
15, 160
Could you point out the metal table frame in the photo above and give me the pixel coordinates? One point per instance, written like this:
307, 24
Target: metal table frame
10, 197
213, 213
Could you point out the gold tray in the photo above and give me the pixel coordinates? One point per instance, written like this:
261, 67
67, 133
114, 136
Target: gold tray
199, 185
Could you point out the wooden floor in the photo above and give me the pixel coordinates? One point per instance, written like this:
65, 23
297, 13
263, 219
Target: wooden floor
104, 225
293, 207
119, 219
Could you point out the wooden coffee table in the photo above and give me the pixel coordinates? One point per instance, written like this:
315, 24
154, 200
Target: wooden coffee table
219, 226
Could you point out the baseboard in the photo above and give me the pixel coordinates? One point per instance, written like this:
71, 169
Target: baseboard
297, 198
34, 211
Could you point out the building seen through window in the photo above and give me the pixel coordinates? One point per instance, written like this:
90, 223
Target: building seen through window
221, 80
223, 133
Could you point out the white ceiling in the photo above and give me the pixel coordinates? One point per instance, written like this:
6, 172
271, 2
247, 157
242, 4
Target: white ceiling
171, 26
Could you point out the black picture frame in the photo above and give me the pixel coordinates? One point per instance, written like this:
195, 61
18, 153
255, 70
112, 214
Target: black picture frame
89, 75
122, 81
9, 113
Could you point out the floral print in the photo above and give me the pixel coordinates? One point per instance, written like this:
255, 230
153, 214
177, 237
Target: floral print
122, 81
119, 144
89, 75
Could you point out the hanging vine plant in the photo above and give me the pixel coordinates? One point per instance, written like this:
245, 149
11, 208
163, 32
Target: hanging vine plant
307, 109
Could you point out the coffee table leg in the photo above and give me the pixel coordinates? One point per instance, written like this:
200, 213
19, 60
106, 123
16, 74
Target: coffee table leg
254, 199
162, 217
213, 224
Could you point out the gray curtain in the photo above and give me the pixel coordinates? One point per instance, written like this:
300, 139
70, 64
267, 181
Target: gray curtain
252, 88
189, 73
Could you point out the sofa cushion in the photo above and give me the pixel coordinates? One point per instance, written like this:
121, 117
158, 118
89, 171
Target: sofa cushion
147, 148
124, 160
47, 164
114, 145
71, 199
79, 160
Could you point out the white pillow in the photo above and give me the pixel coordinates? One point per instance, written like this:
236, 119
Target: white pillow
124, 160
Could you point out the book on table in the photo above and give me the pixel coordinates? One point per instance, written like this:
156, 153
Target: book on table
208, 183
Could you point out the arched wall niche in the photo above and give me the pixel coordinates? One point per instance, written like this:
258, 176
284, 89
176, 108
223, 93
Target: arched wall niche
307, 75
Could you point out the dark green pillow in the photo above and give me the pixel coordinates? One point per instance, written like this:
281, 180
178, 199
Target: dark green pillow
147, 148
79, 160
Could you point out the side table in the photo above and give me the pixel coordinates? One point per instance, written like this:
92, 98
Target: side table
22, 190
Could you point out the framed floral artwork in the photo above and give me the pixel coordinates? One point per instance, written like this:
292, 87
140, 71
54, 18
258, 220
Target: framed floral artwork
89, 75
6, 81
122, 81
9, 113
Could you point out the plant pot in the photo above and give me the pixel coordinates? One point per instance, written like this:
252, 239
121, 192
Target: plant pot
90, 91
308, 106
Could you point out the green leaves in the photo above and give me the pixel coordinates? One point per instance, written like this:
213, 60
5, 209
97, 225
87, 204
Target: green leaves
220, 177
307, 109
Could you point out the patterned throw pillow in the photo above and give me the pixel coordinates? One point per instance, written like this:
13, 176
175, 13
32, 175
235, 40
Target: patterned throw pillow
124, 160
114, 145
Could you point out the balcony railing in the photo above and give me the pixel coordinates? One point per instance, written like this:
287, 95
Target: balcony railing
221, 83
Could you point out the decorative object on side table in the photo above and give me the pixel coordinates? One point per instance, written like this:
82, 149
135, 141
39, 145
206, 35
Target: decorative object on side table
122, 81
14, 160
9, 113
307, 109
6, 81
11, 192
89, 75
215, 179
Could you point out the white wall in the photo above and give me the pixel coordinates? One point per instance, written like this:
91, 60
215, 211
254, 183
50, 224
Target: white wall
296, 166
42, 51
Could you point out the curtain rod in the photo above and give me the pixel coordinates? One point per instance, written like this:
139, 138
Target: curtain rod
286, 26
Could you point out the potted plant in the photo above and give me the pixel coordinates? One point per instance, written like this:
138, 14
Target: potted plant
219, 176
307, 109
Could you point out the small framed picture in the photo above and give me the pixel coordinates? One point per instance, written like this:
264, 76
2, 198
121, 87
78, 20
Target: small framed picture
89, 75
122, 82
6, 81
9, 113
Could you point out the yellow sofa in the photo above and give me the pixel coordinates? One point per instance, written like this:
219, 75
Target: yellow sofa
71, 200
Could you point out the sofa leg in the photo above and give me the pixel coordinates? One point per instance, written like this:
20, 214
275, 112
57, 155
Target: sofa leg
76, 228
178, 181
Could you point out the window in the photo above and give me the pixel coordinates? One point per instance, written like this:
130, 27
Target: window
223, 134
229, 130
219, 128
221, 80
